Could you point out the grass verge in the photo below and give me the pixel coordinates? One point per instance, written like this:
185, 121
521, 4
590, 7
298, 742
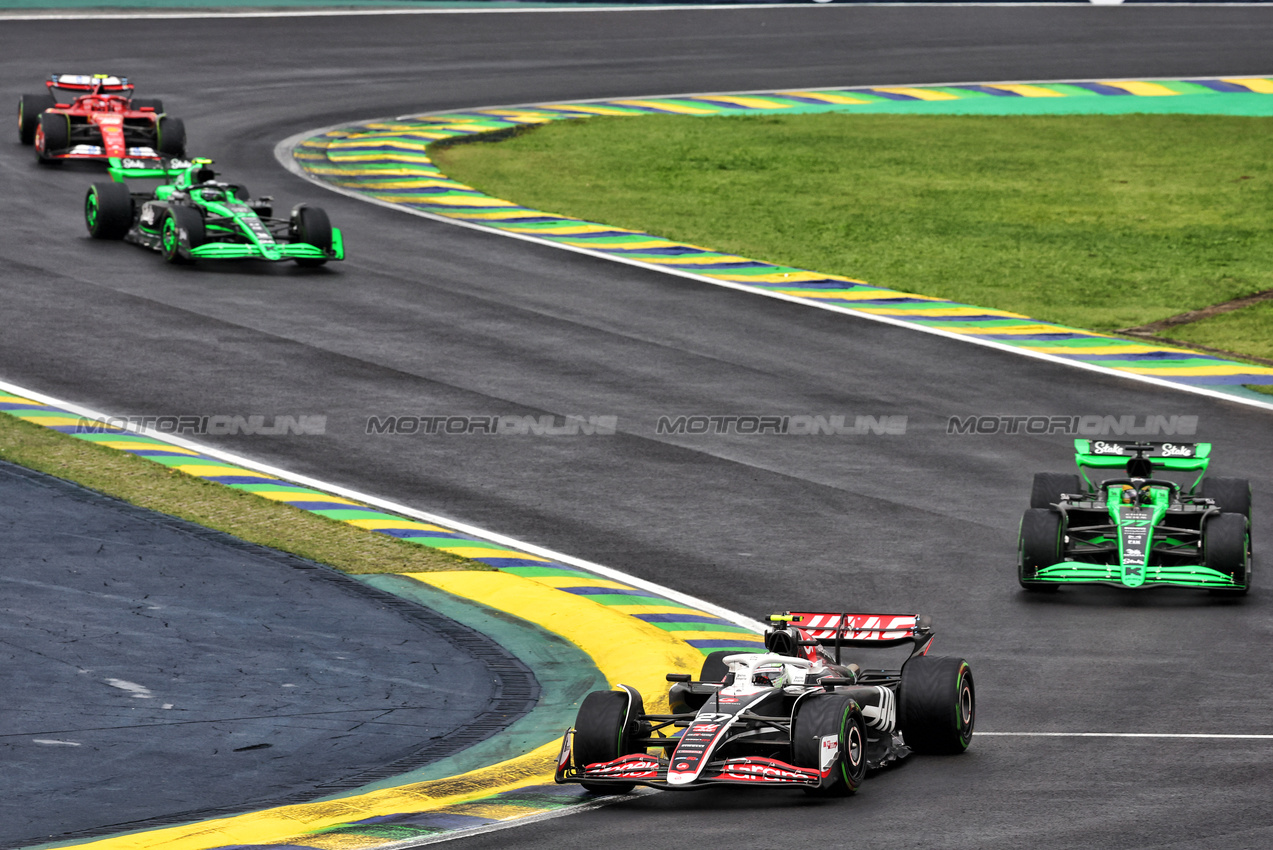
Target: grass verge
215, 506
1103, 222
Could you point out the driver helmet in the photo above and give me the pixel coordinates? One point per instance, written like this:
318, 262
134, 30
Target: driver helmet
772, 677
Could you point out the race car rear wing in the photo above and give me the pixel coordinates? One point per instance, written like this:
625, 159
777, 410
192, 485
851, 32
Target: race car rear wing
99, 83
141, 167
862, 630
1114, 454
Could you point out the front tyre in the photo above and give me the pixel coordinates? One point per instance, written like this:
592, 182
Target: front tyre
1226, 543
1038, 545
30, 108
936, 704
108, 210
52, 136
607, 727
828, 734
182, 227
310, 225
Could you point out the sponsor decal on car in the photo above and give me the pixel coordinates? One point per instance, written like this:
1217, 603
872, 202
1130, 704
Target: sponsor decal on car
766, 770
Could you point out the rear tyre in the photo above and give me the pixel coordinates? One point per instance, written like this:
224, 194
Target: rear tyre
1048, 487
30, 108
153, 102
1226, 549
108, 210
936, 704
1038, 546
180, 224
311, 226
820, 717
714, 667
604, 730
172, 137
52, 136
1231, 495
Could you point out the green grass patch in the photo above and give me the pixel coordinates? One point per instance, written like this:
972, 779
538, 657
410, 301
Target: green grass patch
1097, 221
248, 517
1251, 328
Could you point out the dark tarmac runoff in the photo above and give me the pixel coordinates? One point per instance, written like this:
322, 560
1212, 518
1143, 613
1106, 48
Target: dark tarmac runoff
153, 671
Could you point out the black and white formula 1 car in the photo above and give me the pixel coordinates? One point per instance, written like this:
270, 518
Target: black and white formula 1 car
799, 715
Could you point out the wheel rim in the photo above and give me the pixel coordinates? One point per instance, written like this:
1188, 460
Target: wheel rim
965, 705
170, 236
91, 209
853, 747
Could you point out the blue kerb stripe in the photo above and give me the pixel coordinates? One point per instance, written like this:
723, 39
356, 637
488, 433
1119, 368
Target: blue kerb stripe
680, 618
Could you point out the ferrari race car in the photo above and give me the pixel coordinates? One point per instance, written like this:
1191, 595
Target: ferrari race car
103, 120
1138, 529
795, 716
192, 215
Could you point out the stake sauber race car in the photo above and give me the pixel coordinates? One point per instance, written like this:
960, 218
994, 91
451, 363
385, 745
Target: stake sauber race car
799, 715
101, 120
1139, 528
192, 215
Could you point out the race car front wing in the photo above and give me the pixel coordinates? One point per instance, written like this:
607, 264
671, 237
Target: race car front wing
644, 769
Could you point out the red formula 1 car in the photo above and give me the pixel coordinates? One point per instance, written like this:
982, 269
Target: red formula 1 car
101, 120
800, 715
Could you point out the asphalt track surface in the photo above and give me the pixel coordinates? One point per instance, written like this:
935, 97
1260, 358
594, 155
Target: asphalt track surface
155, 671
429, 319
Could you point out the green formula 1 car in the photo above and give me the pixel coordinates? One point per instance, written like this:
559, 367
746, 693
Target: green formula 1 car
192, 216
1138, 529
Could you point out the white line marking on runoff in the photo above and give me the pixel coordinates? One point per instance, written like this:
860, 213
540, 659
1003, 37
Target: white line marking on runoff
394, 507
53, 742
283, 150
191, 14
1179, 735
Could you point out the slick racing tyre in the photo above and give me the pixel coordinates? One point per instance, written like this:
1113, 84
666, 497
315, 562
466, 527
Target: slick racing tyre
1048, 487
714, 667
1231, 495
605, 729
823, 719
52, 136
1226, 549
936, 704
176, 221
1039, 545
171, 139
30, 108
108, 210
311, 226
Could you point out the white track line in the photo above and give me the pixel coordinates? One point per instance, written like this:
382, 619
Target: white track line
283, 151
192, 14
1180, 735
394, 507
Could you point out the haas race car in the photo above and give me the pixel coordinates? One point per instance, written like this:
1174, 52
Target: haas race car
1138, 528
192, 215
799, 715
101, 120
